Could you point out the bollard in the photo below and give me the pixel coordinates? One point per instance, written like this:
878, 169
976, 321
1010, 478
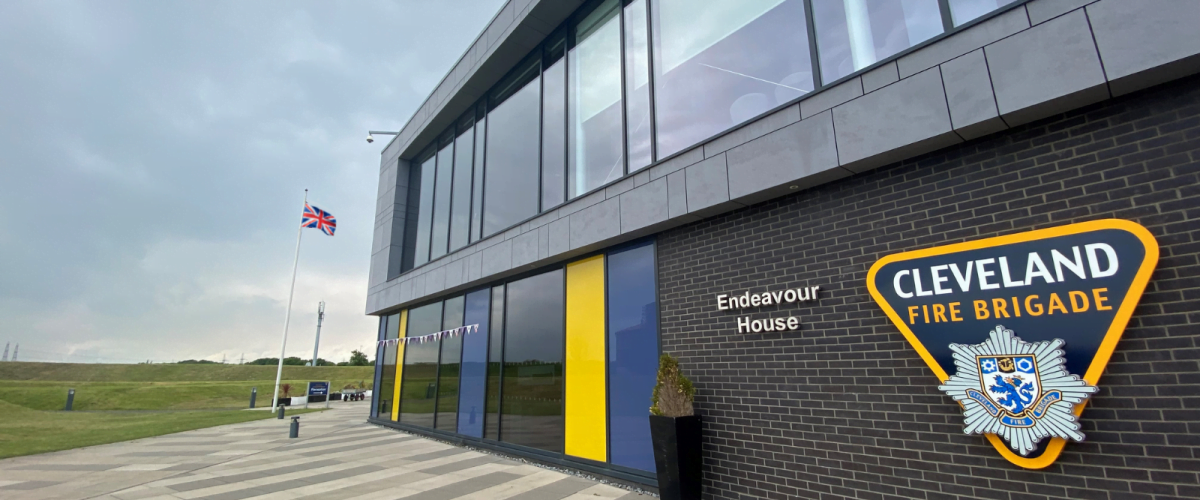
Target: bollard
70, 399
280, 415
295, 430
253, 395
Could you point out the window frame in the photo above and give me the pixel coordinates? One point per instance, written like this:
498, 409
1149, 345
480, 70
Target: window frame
496, 95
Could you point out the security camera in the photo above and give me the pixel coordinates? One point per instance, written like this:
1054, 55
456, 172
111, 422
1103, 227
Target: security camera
370, 139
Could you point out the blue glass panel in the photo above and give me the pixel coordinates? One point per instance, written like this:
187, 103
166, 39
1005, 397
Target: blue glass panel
473, 376
632, 354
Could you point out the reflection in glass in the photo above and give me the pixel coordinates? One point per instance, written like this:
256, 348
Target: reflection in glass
637, 86
718, 63
963, 11
418, 389
594, 136
441, 201
854, 34
477, 184
491, 428
473, 379
387, 375
554, 133
425, 211
532, 409
632, 353
448, 367
511, 181
379, 361
460, 201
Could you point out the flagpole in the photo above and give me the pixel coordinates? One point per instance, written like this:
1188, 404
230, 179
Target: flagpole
287, 318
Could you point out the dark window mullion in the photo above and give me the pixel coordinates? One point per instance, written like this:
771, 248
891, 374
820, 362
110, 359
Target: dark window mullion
814, 55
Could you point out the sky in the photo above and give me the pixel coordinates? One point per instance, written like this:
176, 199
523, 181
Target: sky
153, 161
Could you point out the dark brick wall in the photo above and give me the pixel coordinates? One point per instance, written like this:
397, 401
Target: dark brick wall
845, 408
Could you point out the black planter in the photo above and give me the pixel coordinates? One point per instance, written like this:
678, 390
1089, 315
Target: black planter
677, 456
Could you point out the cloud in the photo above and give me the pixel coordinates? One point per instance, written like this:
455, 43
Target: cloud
154, 158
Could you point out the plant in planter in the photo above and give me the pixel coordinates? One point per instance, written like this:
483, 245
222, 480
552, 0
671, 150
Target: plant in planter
675, 432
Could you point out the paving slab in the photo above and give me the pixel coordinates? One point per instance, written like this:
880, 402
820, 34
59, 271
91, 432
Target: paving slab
338, 457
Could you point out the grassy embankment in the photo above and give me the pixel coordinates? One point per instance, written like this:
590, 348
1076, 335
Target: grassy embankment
32, 396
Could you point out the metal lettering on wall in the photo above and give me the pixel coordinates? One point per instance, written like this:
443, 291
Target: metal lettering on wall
1027, 322
747, 300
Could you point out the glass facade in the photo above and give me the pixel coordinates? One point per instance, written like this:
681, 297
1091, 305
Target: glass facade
719, 63
632, 353
594, 136
531, 405
495, 366
854, 34
472, 386
562, 360
460, 199
449, 366
425, 211
511, 176
637, 86
443, 185
625, 83
418, 391
387, 372
554, 118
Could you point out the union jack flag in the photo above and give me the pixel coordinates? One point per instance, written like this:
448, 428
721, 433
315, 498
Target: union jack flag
320, 219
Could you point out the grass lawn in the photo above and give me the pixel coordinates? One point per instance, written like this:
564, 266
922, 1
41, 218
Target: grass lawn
26, 432
99, 396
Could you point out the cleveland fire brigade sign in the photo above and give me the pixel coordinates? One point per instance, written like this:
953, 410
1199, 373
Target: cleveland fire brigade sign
1025, 323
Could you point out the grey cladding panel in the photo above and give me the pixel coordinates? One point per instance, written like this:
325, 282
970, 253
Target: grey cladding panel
782, 158
595, 223
829, 98
707, 183
1146, 42
1046, 69
644, 206
907, 117
969, 93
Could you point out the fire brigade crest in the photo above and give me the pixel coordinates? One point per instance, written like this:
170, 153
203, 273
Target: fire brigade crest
1017, 390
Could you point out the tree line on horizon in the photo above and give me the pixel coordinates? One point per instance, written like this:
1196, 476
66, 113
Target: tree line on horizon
357, 358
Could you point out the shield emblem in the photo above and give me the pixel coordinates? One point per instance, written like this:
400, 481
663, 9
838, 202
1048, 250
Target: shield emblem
1010, 381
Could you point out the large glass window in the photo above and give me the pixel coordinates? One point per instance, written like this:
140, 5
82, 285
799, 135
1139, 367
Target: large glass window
511, 182
386, 386
477, 184
637, 86
963, 11
448, 367
718, 63
460, 200
425, 210
632, 353
854, 34
418, 390
473, 378
442, 191
495, 370
379, 361
594, 135
532, 409
554, 124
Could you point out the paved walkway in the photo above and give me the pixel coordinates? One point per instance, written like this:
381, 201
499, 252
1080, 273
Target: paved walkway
338, 456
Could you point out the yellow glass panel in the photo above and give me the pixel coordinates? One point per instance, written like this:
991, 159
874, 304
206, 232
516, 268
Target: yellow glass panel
399, 366
586, 411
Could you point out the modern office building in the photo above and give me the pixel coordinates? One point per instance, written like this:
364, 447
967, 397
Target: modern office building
741, 183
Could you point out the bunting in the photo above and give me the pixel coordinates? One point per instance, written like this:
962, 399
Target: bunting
451, 333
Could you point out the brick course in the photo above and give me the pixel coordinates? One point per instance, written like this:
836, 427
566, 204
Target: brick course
845, 408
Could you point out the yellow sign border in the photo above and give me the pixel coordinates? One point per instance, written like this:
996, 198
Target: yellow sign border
1107, 346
